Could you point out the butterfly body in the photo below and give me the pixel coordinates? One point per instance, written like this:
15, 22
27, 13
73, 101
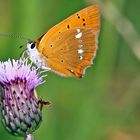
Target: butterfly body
69, 47
36, 57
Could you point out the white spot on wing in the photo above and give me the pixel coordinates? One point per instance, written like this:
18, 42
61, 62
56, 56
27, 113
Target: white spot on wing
78, 30
81, 57
80, 51
80, 46
71, 70
79, 35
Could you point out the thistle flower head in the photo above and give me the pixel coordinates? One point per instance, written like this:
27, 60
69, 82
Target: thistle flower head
21, 114
19, 70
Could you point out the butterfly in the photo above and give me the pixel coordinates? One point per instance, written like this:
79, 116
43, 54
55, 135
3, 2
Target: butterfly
69, 47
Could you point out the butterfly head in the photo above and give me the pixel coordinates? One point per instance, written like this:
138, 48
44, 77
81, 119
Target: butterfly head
35, 55
32, 51
31, 46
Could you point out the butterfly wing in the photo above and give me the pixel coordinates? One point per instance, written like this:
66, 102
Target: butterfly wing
87, 18
71, 52
71, 45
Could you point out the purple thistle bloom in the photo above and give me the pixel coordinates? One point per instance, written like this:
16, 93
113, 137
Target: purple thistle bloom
20, 111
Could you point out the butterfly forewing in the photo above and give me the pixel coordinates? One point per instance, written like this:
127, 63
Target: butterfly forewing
88, 18
72, 51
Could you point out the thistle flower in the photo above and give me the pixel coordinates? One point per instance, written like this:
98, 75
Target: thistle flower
21, 114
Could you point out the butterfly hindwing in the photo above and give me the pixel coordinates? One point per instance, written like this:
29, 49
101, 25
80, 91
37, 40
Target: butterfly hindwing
71, 52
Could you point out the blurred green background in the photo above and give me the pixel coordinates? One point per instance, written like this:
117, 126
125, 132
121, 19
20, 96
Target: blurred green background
105, 104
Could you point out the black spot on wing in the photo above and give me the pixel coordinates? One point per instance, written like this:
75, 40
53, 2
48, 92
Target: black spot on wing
84, 24
68, 26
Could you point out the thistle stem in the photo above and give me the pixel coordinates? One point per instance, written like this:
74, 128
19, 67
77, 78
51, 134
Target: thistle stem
29, 137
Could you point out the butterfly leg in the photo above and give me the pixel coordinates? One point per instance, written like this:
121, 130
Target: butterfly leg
22, 55
45, 68
42, 103
42, 66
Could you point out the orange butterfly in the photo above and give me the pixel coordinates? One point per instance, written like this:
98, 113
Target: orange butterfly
70, 46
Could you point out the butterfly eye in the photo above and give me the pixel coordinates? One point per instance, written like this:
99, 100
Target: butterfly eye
33, 46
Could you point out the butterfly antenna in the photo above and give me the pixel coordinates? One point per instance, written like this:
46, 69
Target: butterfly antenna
15, 36
18, 37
